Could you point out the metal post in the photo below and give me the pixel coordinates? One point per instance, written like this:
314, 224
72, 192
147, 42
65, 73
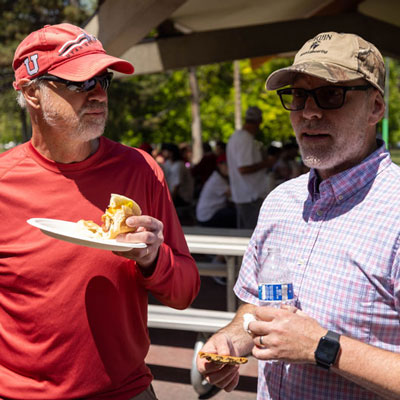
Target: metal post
238, 95
230, 282
197, 144
385, 121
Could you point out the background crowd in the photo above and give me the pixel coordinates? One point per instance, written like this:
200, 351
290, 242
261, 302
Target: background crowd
202, 192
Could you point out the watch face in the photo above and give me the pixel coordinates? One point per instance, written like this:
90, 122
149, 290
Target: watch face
327, 351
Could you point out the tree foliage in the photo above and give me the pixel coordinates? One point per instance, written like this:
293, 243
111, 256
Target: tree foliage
152, 108
394, 102
155, 108
276, 123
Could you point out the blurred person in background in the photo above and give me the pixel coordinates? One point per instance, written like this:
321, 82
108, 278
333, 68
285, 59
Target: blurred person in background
146, 147
274, 152
220, 148
186, 154
248, 170
180, 181
203, 169
214, 207
287, 166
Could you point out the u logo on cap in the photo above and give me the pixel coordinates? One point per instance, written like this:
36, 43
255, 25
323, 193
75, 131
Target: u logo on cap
33, 60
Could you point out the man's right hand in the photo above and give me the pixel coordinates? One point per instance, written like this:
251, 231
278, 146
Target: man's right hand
223, 376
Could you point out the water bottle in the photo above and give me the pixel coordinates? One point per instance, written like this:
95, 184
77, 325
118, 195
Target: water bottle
275, 285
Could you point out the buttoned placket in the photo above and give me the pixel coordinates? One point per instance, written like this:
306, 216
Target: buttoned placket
320, 206
319, 209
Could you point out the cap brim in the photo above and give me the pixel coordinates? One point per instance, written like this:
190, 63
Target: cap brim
329, 72
85, 67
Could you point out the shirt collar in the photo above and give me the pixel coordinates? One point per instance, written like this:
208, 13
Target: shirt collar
345, 184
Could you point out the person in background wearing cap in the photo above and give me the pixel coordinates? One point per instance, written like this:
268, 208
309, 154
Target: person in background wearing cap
74, 319
248, 170
338, 228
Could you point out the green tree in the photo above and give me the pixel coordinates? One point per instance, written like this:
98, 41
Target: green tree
155, 108
149, 108
217, 100
276, 124
394, 102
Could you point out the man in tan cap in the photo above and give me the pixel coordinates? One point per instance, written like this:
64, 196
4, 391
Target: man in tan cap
338, 228
73, 319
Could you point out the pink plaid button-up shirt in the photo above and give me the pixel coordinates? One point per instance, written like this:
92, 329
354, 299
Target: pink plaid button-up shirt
341, 242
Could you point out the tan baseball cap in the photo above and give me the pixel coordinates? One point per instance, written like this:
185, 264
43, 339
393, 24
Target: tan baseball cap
335, 57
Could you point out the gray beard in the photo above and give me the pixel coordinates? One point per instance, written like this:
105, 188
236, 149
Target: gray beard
311, 161
78, 127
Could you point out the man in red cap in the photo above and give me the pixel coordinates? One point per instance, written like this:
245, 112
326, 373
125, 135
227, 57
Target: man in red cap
73, 318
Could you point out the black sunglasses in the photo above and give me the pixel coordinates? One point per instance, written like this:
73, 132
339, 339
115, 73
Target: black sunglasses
326, 97
85, 86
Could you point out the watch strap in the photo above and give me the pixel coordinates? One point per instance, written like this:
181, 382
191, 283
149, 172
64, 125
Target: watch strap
332, 335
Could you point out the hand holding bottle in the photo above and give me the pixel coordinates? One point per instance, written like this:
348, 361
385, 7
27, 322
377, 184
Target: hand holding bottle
285, 334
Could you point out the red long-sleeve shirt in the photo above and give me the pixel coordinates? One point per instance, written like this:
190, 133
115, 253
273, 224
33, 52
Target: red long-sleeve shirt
73, 319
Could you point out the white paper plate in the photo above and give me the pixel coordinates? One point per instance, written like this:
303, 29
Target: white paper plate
67, 231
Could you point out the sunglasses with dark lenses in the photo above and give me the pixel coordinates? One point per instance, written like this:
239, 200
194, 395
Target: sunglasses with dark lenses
326, 97
85, 86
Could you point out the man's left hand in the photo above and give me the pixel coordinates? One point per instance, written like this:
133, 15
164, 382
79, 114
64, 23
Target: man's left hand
287, 334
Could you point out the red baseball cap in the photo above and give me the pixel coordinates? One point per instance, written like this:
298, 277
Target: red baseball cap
66, 51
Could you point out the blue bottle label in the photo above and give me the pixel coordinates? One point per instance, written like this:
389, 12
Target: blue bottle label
275, 292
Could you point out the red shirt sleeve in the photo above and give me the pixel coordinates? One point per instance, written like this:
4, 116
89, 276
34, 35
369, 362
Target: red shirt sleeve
175, 281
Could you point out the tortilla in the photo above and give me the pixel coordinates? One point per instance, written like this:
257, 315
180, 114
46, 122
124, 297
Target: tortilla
219, 359
119, 209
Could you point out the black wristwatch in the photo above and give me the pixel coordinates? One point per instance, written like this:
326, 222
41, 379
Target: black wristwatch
327, 350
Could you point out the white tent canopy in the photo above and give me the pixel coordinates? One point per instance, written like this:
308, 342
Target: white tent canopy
198, 32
